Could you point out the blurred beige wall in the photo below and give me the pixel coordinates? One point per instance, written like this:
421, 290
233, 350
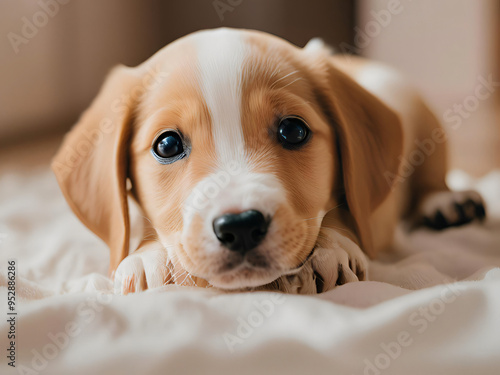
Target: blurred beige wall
46, 82
446, 48
442, 45
55, 53
295, 20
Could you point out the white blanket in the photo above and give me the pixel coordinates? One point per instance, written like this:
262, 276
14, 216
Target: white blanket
68, 321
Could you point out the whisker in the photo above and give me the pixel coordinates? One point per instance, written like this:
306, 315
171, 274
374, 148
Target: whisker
317, 217
332, 229
282, 78
288, 84
276, 71
313, 218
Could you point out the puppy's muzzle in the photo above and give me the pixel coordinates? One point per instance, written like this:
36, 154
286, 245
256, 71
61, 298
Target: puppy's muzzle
241, 232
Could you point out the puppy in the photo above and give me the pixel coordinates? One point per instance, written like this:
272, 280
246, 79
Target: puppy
256, 164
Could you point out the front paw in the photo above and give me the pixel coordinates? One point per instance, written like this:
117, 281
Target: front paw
146, 268
339, 264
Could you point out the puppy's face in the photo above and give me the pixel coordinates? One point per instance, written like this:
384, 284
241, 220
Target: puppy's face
236, 143
231, 157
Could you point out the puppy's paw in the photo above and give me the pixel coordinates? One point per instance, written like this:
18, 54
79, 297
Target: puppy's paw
144, 269
445, 209
342, 263
302, 282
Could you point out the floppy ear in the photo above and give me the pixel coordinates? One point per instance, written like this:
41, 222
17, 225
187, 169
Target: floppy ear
370, 142
91, 165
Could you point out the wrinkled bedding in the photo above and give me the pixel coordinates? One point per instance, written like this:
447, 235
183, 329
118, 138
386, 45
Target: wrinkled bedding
431, 307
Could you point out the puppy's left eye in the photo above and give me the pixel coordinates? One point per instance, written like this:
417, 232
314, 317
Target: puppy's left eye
292, 132
168, 147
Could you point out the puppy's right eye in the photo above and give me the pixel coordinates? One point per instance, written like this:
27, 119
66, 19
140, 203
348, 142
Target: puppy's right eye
169, 147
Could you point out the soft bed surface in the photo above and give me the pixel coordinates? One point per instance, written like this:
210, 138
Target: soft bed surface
432, 307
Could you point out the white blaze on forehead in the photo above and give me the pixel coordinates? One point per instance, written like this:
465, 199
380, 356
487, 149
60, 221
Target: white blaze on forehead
221, 56
232, 186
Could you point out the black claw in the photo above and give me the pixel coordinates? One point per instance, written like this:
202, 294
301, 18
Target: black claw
471, 209
428, 222
360, 273
341, 280
480, 211
462, 217
440, 221
320, 284
467, 210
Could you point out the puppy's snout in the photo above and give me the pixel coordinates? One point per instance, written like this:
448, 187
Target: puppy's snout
241, 232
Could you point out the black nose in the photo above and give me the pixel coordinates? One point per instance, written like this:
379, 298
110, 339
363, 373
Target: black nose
241, 232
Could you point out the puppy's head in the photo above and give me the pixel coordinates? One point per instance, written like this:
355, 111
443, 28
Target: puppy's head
236, 144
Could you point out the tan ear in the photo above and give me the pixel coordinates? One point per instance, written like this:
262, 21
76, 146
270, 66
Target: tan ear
370, 141
91, 165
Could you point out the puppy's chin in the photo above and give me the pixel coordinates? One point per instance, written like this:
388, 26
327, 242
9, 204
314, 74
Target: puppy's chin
243, 277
